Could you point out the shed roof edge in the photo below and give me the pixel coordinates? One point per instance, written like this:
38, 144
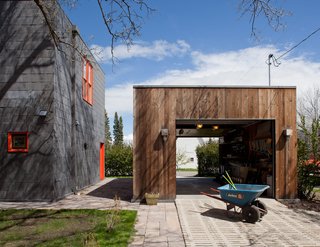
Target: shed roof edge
218, 86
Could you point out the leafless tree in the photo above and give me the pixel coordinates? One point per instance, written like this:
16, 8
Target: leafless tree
46, 8
123, 19
309, 105
181, 158
265, 8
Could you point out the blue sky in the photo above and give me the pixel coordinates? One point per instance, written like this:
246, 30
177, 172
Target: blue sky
189, 42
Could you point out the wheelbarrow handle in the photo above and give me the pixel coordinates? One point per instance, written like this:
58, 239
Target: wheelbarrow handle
215, 190
213, 196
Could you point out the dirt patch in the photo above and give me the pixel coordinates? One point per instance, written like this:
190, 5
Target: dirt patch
313, 205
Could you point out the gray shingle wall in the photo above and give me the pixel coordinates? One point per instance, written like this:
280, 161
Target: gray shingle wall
78, 157
26, 76
90, 132
34, 75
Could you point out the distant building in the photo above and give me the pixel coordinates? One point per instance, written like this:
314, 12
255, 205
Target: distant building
51, 107
188, 145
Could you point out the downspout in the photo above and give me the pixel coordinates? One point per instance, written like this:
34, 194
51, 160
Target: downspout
74, 122
287, 134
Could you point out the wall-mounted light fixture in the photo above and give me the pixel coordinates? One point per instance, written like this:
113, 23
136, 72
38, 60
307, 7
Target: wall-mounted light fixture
215, 127
164, 133
42, 113
287, 132
199, 125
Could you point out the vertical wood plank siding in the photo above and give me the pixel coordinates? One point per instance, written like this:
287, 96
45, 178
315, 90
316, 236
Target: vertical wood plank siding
154, 165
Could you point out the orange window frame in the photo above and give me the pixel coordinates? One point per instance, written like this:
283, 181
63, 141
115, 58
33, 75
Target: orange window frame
11, 142
87, 81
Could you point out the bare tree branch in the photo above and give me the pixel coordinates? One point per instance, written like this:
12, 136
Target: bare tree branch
266, 8
123, 19
45, 13
46, 7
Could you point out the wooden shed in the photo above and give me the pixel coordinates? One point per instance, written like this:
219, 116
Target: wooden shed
256, 127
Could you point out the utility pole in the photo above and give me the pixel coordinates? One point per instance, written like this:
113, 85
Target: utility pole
269, 65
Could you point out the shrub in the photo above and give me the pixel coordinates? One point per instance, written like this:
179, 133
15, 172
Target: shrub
308, 178
208, 158
119, 160
308, 158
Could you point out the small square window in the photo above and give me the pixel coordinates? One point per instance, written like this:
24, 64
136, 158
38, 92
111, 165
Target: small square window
18, 142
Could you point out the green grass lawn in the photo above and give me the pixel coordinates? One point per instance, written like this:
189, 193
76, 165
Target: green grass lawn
119, 176
66, 227
187, 169
316, 190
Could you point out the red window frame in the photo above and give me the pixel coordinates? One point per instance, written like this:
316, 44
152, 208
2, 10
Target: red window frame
87, 81
11, 142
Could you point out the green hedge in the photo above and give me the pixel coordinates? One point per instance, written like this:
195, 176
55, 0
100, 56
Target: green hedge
119, 160
308, 178
208, 159
308, 161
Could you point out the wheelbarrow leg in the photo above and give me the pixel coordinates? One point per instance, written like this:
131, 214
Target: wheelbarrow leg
231, 206
262, 207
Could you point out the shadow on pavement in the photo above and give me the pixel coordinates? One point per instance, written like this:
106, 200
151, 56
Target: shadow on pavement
121, 187
223, 214
195, 185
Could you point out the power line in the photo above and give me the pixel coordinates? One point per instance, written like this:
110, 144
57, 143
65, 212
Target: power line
275, 61
292, 48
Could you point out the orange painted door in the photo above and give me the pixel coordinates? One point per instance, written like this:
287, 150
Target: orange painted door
101, 161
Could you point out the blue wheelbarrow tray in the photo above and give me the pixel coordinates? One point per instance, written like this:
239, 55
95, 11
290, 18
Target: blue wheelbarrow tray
243, 195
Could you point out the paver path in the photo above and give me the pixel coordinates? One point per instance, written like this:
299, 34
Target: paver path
204, 222
158, 226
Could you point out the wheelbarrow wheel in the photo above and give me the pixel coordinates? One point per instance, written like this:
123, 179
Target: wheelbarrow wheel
251, 214
263, 207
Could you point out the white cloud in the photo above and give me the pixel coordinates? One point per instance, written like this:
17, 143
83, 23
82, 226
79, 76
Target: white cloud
157, 50
119, 99
128, 138
241, 67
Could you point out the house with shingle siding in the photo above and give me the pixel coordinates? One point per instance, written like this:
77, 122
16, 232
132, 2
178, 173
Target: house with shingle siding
51, 106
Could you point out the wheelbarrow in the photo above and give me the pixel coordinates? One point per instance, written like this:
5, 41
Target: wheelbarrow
245, 197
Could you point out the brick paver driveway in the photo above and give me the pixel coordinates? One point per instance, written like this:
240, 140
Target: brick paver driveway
204, 222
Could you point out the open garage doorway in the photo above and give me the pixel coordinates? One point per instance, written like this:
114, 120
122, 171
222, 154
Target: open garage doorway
190, 178
246, 150
186, 154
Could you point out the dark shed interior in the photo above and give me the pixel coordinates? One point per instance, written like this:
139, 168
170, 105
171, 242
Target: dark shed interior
246, 147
